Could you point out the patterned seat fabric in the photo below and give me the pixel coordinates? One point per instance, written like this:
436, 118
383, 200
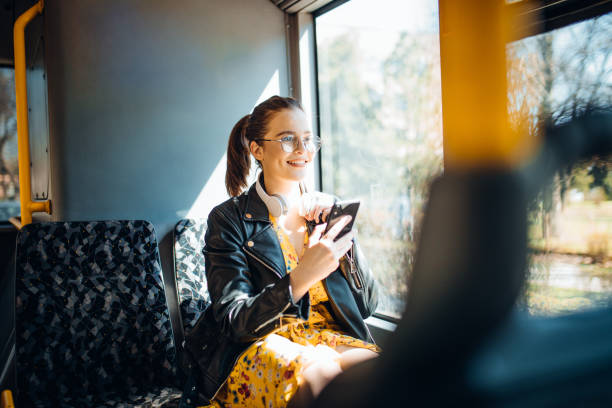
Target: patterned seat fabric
166, 397
92, 323
189, 268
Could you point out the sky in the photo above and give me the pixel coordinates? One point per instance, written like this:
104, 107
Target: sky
377, 25
386, 15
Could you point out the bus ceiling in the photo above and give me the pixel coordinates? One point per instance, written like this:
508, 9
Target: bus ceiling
542, 15
547, 15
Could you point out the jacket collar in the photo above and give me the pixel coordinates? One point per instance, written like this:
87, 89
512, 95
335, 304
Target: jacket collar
255, 209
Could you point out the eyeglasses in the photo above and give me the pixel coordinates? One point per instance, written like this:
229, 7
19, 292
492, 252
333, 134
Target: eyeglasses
290, 143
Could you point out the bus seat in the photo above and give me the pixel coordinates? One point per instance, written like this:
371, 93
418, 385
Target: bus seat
92, 320
189, 267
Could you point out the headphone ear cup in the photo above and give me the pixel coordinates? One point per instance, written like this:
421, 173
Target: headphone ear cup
284, 208
276, 203
274, 206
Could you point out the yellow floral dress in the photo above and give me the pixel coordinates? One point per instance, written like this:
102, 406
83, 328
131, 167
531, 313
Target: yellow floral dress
269, 372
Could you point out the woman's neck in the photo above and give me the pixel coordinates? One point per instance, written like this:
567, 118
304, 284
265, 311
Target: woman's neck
290, 190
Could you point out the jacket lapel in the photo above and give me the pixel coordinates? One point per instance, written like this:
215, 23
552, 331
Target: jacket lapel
262, 241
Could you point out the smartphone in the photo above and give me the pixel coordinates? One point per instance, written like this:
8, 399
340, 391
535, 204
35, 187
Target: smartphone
339, 209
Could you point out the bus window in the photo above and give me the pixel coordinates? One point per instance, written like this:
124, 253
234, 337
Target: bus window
381, 126
553, 78
9, 177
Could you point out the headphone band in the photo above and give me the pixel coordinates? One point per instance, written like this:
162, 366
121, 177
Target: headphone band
276, 203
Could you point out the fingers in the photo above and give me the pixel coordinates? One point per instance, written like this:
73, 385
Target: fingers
316, 234
318, 213
325, 214
305, 206
337, 227
315, 214
342, 245
315, 205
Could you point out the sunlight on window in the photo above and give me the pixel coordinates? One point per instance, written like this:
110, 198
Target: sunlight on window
381, 126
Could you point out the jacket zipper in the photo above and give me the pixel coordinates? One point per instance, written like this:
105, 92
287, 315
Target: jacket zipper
277, 274
277, 316
353, 270
262, 262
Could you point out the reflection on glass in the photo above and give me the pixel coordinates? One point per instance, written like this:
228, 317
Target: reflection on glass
9, 178
381, 126
555, 77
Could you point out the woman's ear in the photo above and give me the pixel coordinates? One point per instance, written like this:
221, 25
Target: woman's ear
256, 150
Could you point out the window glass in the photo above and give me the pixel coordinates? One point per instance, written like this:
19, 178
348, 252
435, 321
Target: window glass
9, 178
555, 77
380, 122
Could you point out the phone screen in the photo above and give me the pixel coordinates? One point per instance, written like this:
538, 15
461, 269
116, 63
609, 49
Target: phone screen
339, 209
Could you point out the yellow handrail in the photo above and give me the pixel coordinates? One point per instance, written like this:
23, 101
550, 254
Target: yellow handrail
473, 37
23, 138
6, 400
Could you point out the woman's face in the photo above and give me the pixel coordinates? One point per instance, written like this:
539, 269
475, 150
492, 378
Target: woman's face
276, 162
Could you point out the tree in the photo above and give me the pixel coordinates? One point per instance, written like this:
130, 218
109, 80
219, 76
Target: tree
553, 78
9, 180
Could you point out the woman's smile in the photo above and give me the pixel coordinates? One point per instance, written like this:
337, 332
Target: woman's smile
298, 163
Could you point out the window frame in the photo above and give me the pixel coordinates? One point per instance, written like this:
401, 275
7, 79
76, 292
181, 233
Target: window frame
379, 322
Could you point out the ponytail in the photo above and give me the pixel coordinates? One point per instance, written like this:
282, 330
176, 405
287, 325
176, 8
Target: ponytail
238, 158
251, 127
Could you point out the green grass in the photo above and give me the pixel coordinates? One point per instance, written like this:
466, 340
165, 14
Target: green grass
548, 300
580, 228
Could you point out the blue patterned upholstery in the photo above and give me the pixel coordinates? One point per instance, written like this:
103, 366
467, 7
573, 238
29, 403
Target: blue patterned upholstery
189, 268
92, 323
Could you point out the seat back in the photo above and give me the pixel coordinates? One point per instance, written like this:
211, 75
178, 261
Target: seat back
189, 267
91, 312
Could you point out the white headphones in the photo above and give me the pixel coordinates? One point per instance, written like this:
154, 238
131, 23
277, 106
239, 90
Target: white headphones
276, 203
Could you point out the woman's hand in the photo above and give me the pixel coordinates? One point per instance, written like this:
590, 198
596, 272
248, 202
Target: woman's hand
316, 206
321, 257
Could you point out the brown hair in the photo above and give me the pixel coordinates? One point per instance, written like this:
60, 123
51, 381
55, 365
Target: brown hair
250, 127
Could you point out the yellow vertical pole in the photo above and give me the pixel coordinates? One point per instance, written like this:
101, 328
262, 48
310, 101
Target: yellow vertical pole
21, 98
473, 36
7, 400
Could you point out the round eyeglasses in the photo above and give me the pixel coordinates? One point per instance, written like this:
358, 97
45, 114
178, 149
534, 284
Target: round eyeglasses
290, 143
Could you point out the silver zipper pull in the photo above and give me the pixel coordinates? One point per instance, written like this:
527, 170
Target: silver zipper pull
354, 274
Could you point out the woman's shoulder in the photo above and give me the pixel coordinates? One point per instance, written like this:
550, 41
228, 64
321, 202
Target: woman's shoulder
230, 208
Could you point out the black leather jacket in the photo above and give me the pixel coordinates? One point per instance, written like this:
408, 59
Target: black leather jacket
250, 291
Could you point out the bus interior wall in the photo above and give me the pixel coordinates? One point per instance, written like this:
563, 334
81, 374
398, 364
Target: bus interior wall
140, 98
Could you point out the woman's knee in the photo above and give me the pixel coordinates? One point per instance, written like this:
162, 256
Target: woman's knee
317, 375
352, 356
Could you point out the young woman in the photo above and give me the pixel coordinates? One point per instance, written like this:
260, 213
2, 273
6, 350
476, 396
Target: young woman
286, 314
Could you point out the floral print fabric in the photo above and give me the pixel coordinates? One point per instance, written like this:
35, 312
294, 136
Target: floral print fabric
268, 373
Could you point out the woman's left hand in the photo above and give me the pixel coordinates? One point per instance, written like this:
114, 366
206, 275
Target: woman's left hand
316, 206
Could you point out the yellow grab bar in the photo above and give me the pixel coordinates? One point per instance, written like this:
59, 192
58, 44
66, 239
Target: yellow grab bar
7, 400
473, 37
23, 137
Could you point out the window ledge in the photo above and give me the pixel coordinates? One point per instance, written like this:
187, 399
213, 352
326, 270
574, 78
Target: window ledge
381, 329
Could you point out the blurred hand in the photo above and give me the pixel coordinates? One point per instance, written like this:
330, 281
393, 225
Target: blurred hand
316, 206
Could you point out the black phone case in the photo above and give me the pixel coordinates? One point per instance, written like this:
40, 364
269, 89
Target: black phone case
339, 209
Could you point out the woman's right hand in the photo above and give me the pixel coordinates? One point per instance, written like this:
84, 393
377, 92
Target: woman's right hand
321, 257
